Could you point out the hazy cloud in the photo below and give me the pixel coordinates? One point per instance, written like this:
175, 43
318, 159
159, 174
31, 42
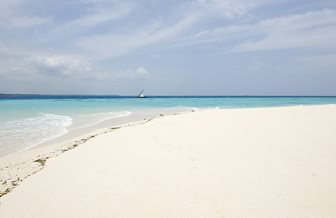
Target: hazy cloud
313, 29
26, 22
121, 44
133, 74
53, 65
97, 16
141, 71
207, 46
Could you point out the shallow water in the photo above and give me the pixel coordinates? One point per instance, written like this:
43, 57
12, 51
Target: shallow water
29, 120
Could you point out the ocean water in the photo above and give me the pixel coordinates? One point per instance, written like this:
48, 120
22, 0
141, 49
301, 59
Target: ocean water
29, 120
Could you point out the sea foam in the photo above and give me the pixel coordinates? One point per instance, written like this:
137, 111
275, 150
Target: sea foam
23, 134
87, 120
26, 133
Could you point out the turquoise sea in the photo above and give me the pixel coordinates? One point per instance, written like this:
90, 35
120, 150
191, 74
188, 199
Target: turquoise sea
29, 120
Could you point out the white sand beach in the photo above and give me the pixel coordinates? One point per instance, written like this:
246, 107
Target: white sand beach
262, 162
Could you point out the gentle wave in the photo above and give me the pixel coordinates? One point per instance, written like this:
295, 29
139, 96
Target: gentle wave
26, 133
87, 120
23, 134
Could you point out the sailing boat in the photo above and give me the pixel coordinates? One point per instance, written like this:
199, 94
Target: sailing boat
141, 94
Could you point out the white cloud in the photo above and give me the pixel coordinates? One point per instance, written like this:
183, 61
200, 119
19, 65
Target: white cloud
164, 31
141, 71
112, 45
12, 15
314, 29
227, 8
132, 74
59, 64
77, 36
157, 32
95, 17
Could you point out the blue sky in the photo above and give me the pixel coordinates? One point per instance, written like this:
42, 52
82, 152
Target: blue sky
176, 47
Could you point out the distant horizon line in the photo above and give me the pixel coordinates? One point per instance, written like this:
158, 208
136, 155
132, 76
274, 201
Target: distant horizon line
115, 95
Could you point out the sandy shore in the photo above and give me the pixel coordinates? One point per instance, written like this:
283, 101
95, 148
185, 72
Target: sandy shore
266, 162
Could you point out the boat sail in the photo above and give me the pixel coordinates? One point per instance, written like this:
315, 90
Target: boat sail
141, 94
